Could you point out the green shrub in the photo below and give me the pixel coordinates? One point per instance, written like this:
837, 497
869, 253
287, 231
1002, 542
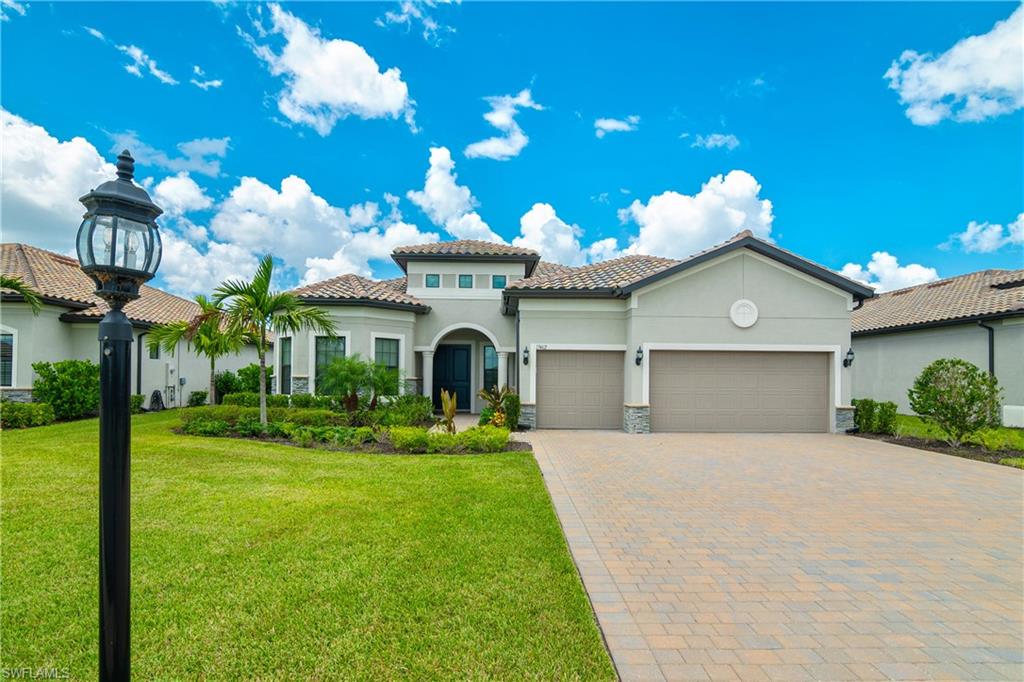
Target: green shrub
513, 407
864, 415
197, 398
958, 397
71, 387
992, 440
22, 415
406, 410
360, 435
302, 400
482, 439
885, 418
312, 417
412, 439
442, 442
207, 427
232, 414
277, 430
136, 403
225, 383
245, 399
485, 416
249, 378
250, 426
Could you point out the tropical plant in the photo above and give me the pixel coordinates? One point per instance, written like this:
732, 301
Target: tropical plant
344, 378
258, 312
495, 399
449, 404
71, 387
18, 286
513, 407
956, 396
210, 333
380, 381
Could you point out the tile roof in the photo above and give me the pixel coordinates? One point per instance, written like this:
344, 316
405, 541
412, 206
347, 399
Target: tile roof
604, 275
464, 247
360, 289
59, 280
970, 296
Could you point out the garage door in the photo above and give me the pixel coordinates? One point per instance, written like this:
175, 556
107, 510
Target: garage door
579, 389
734, 391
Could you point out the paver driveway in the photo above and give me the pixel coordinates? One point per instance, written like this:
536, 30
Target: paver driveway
792, 557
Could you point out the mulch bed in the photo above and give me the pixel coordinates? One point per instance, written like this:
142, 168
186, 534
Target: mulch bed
967, 450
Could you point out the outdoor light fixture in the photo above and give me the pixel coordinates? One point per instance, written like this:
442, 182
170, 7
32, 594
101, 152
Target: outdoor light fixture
639, 355
848, 360
119, 248
526, 356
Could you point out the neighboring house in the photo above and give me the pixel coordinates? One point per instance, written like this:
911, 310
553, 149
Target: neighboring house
742, 337
978, 317
67, 329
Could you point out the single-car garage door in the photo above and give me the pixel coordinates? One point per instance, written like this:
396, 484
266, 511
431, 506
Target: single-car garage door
579, 389
739, 391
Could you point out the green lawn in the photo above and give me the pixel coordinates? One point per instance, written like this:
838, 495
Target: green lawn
1004, 437
255, 560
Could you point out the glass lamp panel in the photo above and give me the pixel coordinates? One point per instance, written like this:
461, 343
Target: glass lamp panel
103, 241
84, 234
157, 250
131, 244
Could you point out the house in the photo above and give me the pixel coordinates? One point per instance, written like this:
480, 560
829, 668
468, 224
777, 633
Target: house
66, 328
742, 337
978, 317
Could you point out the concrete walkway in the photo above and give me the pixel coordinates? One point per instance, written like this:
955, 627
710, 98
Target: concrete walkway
792, 557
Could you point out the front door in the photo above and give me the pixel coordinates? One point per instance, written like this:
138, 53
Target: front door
452, 372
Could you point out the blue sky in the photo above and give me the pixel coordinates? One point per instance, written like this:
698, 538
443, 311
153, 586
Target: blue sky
622, 128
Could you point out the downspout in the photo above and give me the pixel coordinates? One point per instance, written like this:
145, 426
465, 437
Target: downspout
860, 304
138, 364
991, 347
515, 360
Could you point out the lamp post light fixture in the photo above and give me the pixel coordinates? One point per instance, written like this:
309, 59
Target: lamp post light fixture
848, 360
119, 248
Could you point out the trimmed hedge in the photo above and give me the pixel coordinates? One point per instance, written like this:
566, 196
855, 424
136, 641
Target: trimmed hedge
249, 399
197, 398
23, 415
419, 440
870, 416
232, 414
71, 387
136, 402
513, 407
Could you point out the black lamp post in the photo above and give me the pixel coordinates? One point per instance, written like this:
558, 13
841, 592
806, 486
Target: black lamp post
119, 248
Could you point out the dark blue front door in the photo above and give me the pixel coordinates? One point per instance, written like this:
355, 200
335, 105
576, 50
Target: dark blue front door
452, 372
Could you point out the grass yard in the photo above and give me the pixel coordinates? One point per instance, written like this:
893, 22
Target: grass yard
256, 560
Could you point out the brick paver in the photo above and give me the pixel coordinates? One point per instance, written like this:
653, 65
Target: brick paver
792, 557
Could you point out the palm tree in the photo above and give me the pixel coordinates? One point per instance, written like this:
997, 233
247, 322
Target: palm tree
18, 286
258, 311
209, 333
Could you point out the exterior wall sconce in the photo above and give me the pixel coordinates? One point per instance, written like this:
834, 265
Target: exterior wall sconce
848, 360
526, 356
639, 355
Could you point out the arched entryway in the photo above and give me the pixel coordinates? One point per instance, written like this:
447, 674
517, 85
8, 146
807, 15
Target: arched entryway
463, 359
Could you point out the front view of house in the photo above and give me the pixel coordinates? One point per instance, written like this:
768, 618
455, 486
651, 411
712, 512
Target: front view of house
742, 337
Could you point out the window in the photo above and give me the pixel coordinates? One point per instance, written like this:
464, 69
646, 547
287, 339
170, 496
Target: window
286, 364
498, 281
6, 359
328, 349
465, 281
385, 352
490, 367
433, 281
154, 352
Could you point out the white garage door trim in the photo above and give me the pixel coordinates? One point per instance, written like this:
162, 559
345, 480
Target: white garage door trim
534, 347
834, 377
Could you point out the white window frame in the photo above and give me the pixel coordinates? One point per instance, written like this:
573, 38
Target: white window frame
14, 354
401, 353
277, 360
347, 335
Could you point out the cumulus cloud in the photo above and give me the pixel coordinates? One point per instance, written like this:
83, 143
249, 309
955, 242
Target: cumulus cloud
8, 6
542, 230
988, 237
326, 80
884, 273
376, 243
448, 204
603, 126
412, 12
187, 270
41, 179
716, 140
202, 155
200, 80
678, 225
180, 194
979, 77
503, 117
140, 64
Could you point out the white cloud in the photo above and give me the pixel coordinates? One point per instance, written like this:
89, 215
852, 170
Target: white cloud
411, 12
543, 231
885, 273
603, 126
187, 270
180, 194
326, 80
202, 82
141, 63
41, 178
18, 8
716, 140
448, 204
503, 117
376, 243
988, 237
979, 77
678, 225
202, 155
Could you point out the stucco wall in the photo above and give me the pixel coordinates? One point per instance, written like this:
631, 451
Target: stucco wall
887, 364
456, 313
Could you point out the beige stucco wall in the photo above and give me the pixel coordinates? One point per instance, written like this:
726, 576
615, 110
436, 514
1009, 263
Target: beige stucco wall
453, 314
887, 364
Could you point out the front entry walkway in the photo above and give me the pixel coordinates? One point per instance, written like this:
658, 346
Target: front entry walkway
792, 557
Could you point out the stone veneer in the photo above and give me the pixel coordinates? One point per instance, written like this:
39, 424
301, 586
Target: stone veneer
528, 416
300, 384
844, 419
636, 418
17, 395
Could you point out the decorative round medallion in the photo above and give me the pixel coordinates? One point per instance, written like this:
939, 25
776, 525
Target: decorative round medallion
743, 313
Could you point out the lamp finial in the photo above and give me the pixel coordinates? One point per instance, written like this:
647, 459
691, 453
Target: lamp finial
125, 166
